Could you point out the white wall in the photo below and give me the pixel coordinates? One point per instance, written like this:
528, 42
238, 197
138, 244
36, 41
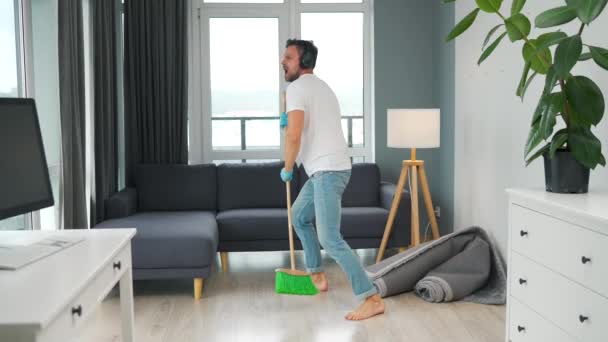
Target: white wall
492, 123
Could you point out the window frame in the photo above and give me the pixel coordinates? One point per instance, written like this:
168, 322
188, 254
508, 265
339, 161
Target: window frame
288, 14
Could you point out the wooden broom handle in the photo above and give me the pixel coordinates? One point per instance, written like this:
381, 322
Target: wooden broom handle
291, 246
288, 191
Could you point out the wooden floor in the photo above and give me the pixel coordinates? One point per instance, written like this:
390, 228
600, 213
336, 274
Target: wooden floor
241, 305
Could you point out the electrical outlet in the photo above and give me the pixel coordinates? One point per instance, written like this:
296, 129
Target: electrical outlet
438, 211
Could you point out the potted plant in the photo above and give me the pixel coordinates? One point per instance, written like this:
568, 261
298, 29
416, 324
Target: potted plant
570, 152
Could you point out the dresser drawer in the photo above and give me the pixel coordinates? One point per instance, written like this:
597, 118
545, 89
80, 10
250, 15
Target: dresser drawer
526, 325
575, 309
73, 316
575, 252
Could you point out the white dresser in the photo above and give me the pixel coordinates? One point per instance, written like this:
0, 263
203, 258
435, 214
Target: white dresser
558, 267
50, 299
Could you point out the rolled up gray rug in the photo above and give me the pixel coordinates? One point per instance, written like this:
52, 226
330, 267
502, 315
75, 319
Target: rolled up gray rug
458, 277
483, 275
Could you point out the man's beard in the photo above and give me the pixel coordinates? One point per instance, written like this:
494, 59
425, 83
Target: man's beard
291, 77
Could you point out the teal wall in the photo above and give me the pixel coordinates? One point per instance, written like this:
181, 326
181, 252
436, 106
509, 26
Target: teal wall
414, 68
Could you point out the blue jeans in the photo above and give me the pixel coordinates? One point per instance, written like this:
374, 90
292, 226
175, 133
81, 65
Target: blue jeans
321, 198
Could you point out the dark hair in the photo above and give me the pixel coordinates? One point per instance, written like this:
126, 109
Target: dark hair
307, 51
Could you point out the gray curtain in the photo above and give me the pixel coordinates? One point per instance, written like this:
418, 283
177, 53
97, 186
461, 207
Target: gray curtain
105, 105
156, 83
71, 97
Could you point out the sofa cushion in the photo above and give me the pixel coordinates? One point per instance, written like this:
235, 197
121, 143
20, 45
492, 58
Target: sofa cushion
271, 224
363, 222
176, 187
363, 189
255, 185
252, 224
184, 239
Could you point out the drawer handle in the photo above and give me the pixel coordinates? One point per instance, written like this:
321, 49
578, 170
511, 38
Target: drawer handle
77, 311
582, 318
116, 265
585, 260
522, 281
520, 328
523, 233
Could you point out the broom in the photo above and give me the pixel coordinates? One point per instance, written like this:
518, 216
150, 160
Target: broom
292, 281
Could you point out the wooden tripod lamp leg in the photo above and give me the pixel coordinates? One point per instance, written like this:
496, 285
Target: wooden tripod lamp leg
429, 203
393, 212
414, 197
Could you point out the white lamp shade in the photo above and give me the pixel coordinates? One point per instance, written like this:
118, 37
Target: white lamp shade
412, 128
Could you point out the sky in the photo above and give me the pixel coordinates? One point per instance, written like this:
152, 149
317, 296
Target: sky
245, 58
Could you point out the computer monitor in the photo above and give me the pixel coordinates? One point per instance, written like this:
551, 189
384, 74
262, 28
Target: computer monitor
24, 175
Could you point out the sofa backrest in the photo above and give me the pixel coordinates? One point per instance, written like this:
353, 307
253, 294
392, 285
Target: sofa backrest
254, 185
176, 187
363, 189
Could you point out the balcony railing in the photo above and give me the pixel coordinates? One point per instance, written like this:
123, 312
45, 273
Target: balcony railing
243, 123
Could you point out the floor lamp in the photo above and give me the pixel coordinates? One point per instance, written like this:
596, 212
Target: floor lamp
412, 128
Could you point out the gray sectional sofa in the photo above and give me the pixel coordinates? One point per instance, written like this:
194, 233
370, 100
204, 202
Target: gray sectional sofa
185, 214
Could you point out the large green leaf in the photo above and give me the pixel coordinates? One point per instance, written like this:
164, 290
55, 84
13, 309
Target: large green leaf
548, 39
555, 16
566, 55
588, 10
490, 6
490, 49
534, 138
550, 80
528, 82
559, 139
585, 56
550, 105
517, 6
585, 146
577, 119
600, 56
538, 153
586, 98
518, 27
463, 25
489, 36
522, 80
540, 61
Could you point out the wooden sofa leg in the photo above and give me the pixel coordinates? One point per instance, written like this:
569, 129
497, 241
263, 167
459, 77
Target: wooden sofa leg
198, 288
224, 259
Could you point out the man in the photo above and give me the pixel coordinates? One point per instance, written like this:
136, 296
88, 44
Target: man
314, 135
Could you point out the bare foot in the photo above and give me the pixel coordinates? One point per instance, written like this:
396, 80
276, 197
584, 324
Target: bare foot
320, 281
373, 305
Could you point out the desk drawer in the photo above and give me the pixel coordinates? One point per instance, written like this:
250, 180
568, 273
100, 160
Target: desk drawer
73, 316
573, 251
526, 325
577, 310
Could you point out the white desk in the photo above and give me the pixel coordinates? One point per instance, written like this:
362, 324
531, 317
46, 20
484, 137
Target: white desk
50, 299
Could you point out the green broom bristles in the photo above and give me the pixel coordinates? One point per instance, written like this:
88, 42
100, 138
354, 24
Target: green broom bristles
294, 284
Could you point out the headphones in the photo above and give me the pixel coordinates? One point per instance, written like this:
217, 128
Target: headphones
308, 59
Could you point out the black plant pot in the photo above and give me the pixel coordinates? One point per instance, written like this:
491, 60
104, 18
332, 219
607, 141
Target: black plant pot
564, 174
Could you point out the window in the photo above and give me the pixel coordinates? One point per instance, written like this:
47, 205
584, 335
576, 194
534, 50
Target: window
339, 37
9, 63
244, 1
237, 47
244, 86
45, 58
10, 80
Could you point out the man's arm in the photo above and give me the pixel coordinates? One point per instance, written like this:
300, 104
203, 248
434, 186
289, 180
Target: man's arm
293, 137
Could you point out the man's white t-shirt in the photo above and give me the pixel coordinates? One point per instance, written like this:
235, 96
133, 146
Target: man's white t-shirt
323, 147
